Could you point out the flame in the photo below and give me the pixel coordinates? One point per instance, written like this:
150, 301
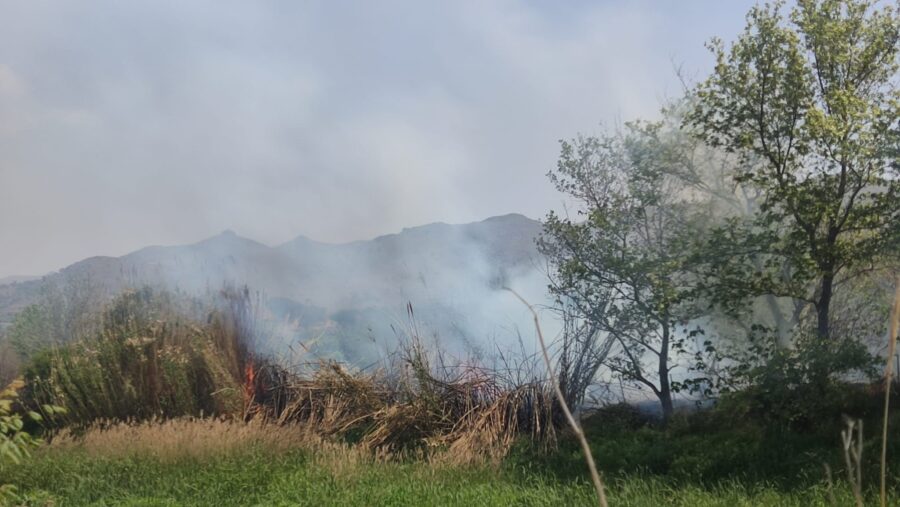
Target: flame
249, 382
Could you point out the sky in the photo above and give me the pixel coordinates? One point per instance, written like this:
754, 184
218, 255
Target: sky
159, 122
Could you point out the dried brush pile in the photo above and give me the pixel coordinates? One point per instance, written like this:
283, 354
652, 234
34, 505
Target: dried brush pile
474, 414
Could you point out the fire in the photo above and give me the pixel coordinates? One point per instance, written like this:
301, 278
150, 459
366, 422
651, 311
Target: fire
249, 383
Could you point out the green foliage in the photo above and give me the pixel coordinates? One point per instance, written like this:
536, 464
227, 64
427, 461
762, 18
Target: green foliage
810, 103
801, 387
625, 263
707, 450
15, 441
616, 418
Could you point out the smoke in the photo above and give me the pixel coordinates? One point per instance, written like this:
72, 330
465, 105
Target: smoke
127, 124
446, 275
350, 301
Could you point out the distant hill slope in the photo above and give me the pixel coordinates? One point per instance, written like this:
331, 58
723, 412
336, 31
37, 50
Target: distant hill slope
350, 289
16, 292
17, 279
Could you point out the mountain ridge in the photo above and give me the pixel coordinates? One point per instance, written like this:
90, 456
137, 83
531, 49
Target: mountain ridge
443, 269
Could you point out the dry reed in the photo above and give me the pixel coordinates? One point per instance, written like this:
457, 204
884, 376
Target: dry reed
419, 402
893, 329
170, 439
852, 439
470, 419
151, 363
576, 428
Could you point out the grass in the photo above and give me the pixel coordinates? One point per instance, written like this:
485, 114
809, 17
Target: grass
256, 477
224, 463
418, 432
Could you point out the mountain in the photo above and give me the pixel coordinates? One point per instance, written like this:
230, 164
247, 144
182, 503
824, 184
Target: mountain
16, 292
17, 279
354, 294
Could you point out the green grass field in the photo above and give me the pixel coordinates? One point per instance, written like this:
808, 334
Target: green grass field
257, 476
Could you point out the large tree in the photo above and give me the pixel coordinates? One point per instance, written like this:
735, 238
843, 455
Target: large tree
811, 102
622, 262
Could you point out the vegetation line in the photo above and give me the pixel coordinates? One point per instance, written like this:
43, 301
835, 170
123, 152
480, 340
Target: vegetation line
892, 345
595, 476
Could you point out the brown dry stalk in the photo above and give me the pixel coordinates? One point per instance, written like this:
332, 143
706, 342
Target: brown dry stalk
473, 416
892, 345
595, 476
174, 439
852, 438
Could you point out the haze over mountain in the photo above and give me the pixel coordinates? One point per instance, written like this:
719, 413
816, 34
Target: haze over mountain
174, 120
6, 280
349, 297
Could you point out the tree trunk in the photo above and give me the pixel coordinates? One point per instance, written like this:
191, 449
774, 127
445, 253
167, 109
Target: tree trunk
823, 306
665, 399
665, 390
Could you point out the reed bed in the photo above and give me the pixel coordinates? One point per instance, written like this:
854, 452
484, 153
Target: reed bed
157, 358
471, 418
420, 401
153, 356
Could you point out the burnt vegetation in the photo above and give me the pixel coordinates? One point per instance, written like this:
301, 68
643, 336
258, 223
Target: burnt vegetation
156, 355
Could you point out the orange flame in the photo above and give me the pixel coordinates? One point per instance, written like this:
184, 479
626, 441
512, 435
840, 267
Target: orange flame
249, 383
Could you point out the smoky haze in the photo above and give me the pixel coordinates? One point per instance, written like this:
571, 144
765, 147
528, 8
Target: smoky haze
125, 124
347, 302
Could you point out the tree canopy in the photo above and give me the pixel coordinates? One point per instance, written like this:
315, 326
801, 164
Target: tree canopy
811, 104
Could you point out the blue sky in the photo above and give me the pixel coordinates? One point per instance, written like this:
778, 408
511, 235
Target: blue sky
124, 124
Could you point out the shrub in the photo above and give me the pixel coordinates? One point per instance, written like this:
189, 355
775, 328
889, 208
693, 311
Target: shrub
616, 417
15, 442
797, 388
150, 358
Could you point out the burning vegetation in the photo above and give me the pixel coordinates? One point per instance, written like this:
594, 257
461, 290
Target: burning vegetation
151, 359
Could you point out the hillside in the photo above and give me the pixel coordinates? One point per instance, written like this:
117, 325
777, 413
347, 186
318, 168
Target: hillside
346, 291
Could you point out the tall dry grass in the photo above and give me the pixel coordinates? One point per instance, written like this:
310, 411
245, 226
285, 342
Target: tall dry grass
204, 439
470, 417
893, 329
155, 355
158, 357
186, 437
419, 401
573, 424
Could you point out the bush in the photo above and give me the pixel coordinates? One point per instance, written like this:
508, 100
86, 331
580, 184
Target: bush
800, 388
15, 442
615, 418
150, 358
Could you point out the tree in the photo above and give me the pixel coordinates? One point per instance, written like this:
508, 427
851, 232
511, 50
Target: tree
623, 265
584, 347
67, 308
812, 104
